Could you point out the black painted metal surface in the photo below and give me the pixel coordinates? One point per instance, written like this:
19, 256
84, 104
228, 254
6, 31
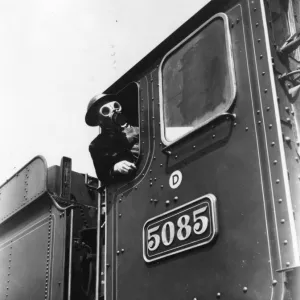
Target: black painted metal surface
239, 160
32, 251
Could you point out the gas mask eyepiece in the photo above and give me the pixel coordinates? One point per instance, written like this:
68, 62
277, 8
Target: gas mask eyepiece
108, 109
113, 111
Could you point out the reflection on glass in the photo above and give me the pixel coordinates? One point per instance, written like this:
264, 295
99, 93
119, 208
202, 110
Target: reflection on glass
197, 81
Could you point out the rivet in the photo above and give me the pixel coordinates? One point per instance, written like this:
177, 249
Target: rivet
218, 295
254, 8
162, 186
150, 183
261, 56
118, 252
285, 242
273, 144
287, 109
232, 25
122, 250
151, 200
263, 73
120, 200
135, 187
154, 157
175, 198
237, 20
194, 147
213, 136
107, 265
245, 289
275, 162
258, 112
234, 124
155, 178
268, 108
277, 180
155, 200
167, 202
288, 120
256, 24
259, 40
246, 128
280, 200
287, 139
120, 215
161, 165
270, 126
150, 170
274, 282
282, 221
176, 156
287, 264
259, 122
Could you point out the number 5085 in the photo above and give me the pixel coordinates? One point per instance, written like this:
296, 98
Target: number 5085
166, 233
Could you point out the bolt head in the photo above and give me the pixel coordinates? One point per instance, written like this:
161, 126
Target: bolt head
287, 139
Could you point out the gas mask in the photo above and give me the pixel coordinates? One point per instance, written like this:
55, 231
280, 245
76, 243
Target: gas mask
113, 110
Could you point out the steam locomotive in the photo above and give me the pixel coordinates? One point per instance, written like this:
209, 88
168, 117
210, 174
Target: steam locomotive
213, 210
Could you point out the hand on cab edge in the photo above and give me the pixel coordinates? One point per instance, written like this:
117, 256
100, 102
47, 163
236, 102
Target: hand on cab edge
124, 167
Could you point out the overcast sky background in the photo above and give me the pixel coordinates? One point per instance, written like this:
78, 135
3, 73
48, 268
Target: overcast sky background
55, 55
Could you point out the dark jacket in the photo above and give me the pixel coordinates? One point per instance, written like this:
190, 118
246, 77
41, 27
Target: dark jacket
108, 148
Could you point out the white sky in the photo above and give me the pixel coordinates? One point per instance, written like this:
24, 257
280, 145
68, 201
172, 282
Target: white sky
55, 55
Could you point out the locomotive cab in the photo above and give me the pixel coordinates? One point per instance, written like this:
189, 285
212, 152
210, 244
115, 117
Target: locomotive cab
212, 211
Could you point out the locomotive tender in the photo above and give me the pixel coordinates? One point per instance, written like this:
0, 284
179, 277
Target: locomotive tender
213, 210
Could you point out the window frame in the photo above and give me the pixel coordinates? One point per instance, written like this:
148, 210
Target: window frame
231, 72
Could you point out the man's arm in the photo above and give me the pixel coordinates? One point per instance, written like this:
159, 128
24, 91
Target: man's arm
106, 167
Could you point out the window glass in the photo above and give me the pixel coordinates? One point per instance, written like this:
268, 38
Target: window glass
197, 80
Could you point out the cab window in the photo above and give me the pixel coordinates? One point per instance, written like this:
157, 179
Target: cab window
197, 80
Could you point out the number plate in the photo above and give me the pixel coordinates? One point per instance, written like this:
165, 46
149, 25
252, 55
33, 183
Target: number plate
191, 225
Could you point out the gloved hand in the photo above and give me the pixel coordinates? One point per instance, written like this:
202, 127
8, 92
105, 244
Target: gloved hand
124, 167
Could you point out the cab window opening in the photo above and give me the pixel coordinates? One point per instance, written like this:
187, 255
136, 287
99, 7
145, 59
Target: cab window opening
197, 80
